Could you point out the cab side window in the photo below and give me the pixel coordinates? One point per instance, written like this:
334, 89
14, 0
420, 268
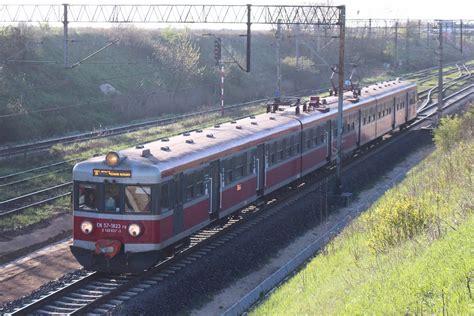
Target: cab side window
165, 196
87, 197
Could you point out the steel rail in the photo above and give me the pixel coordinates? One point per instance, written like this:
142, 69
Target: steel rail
62, 185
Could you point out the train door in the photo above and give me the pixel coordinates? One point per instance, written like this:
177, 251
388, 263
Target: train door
260, 168
178, 222
359, 126
328, 127
214, 188
407, 108
394, 112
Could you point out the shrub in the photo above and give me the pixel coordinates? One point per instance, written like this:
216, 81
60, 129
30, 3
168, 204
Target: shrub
400, 218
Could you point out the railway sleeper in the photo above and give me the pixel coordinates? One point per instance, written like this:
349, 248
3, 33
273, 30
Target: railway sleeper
66, 303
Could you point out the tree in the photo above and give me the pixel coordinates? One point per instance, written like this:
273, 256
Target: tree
178, 60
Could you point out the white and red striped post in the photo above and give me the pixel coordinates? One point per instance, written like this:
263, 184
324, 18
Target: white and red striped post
222, 89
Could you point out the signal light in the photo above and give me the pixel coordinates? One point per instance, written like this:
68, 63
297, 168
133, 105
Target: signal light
217, 50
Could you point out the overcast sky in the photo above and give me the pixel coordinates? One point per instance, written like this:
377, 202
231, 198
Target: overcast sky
363, 9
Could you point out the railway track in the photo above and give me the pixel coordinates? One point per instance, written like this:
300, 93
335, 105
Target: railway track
21, 203
98, 293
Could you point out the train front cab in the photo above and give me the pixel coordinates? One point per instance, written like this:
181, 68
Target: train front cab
116, 226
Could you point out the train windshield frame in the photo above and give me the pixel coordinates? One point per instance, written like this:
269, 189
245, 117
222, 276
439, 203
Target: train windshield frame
115, 198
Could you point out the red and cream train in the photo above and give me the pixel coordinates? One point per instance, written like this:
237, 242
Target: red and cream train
132, 206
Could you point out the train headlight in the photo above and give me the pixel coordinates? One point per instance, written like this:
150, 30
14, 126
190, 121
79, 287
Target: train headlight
135, 230
112, 159
87, 227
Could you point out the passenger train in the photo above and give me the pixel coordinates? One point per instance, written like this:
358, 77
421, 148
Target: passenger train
133, 207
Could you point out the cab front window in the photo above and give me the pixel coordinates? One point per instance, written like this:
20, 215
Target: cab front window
112, 197
137, 199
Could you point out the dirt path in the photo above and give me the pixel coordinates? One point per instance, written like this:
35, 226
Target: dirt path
32, 237
232, 294
26, 274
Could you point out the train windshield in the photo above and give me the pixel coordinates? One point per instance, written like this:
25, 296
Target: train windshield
137, 199
88, 197
112, 197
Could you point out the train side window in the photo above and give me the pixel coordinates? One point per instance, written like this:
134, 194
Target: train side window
315, 136
112, 197
87, 197
228, 171
297, 144
289, 147
251, 160
239, 163
165, 196
273, 153
199, 183
281, 149
138, 199
189, 186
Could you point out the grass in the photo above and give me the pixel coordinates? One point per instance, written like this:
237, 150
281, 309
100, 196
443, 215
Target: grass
411, 253
35, 215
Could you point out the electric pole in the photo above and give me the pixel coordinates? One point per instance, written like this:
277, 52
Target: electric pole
297, 45
278, 39
407, 50
396, 45
440, 72
342, 32
65, 37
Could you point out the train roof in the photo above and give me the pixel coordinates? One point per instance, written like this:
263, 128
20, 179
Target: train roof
166, 157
